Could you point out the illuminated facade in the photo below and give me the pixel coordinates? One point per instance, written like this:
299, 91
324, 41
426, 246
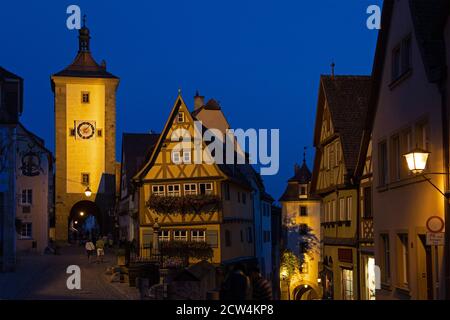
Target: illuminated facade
341, 113
300, 210
225, 224
410, 81
85, 127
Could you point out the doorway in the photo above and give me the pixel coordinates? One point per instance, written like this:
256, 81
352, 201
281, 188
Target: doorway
428, 274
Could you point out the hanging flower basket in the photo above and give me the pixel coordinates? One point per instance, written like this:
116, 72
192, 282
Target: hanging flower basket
187, 249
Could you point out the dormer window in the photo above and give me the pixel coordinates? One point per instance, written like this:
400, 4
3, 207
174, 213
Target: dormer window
180, 117
303, 191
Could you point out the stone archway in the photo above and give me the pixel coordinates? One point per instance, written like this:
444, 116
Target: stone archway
305, 292
84, 221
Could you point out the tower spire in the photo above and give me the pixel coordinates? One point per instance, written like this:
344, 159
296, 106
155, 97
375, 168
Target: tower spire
83, 37
332, 69
304, 155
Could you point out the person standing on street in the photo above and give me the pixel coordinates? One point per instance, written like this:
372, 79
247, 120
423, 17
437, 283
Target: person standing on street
100, 244
90, 249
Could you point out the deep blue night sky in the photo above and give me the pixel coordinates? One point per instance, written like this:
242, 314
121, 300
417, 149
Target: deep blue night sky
261, 59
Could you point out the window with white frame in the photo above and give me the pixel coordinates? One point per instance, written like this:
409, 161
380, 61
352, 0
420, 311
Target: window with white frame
27, 197
176, 157
180, 117
26, 231
187, 156
190, 189
206, 188
173, 190
349, 208
342, 213
403, 260
198, 235
164, 235
180, 235
158, 190
333, 210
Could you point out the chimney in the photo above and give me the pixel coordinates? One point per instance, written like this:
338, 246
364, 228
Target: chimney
199, 101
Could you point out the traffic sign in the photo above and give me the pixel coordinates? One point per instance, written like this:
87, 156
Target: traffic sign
435, 238
435, 224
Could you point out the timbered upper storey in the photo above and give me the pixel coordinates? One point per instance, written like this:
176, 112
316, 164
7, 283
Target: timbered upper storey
341, 109
172, 171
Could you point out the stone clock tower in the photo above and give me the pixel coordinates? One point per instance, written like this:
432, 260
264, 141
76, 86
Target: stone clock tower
85, 132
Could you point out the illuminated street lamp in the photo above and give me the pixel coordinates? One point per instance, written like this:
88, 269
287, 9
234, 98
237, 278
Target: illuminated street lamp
417, 160
88, 192
76, 222
81, 213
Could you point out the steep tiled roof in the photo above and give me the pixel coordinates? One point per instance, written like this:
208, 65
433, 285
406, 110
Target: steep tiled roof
137, 148
85, 66
302, 175
7, 74
347, 98
429, 18
212, 104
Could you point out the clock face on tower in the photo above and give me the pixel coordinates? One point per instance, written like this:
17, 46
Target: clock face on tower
85, 129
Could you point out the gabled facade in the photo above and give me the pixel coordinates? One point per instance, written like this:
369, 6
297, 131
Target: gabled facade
11, 106
301, 211
34, 187
407, 111
170, 174
341, 109
26, 179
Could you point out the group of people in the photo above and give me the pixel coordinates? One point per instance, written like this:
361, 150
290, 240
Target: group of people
238, 286
98, 247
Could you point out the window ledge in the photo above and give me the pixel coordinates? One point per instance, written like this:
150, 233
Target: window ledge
405, 75
382, 188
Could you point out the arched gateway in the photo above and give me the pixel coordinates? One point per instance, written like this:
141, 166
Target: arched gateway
85, 221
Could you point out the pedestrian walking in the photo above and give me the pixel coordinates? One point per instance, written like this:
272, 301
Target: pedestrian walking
100, 244
90, 249
261, 288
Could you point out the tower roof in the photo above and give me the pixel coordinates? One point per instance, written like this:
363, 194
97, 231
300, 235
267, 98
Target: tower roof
84, 64
302, 174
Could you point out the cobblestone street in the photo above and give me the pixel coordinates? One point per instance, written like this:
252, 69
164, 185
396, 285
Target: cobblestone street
44, 277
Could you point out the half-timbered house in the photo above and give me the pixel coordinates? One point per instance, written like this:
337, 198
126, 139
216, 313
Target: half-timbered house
189, 201
341, 109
